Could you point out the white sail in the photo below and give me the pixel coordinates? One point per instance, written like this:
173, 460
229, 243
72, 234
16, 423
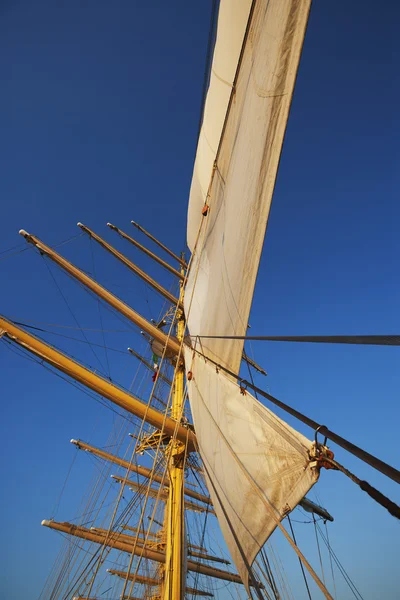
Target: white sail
239, 190
232, 20
257, 467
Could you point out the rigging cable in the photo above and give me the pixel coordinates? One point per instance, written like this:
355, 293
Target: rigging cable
375, 494
319, 550
330, 560
366, 457
301, 564
372, 340
342, 570
71, 311
100, 315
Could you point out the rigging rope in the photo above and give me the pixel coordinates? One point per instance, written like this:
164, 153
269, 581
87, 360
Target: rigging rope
374, 340
301, 564
319, 549
366, 457
100, 315
330, 560
375, 494
71, 312
342, 570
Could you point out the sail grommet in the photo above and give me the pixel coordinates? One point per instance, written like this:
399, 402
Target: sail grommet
243, 389
189, 376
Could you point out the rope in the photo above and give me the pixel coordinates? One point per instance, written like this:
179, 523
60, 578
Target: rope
374, 340
370, 459
72, 313
319, 549
100, 315
330, 559
301, 564
342, 570
375, 494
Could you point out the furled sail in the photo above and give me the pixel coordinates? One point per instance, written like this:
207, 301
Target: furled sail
237, 181
257, 467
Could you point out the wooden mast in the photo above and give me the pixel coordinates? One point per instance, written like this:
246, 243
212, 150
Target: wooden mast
174, 575
181, 439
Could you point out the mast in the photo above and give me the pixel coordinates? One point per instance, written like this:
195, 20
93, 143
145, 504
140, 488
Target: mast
174, 576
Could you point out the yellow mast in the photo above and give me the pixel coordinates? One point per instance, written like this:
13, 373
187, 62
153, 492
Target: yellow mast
174, 575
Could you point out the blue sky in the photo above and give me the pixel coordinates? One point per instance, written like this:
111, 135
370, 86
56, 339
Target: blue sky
99, 114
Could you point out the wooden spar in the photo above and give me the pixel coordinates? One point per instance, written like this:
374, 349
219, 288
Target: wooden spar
311, 507
162, 495
144, 471
148, 365
150, 582
142, 531
124, 537
94, 382
99, 290
146, 251
139, 579
135, 269
195, 592
160, 244
205, 556
131, 539
253, 363
156, 555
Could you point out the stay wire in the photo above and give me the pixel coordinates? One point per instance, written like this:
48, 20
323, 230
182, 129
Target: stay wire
100, 315
301, 564
72, 313
342, 570
366, 457
375, 494
373, 340
319, 549
330, 560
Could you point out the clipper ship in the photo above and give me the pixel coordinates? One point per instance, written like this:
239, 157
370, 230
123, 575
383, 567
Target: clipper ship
194, 445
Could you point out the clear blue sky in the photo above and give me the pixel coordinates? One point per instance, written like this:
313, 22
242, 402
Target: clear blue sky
99, 110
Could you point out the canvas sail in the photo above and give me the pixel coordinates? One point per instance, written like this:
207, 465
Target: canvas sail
257, 467
239, 189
